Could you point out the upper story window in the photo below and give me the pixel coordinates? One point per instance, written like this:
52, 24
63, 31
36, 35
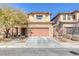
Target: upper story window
39, 17
69, 17
74, 17
64, 17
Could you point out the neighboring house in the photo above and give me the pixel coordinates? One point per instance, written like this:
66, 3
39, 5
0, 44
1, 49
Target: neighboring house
66, 23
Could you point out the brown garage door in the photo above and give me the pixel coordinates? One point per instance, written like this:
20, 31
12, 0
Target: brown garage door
39, 32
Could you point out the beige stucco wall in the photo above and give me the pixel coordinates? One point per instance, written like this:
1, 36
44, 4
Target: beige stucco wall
46, 18
61, 19
69, 25
77, 16
39, 25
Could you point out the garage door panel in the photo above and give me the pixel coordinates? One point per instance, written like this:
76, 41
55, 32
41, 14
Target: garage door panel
40, 32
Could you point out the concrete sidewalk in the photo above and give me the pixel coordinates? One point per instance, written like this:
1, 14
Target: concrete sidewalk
37, 42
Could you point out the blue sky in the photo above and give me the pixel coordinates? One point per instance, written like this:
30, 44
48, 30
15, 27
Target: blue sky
53, 8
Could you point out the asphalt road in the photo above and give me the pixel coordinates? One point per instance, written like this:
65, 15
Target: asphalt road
38, 52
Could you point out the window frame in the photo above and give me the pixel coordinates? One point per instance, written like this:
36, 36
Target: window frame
39, 17
64, 17
69, 17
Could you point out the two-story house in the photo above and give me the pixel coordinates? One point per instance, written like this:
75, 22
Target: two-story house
66, 23
40, 25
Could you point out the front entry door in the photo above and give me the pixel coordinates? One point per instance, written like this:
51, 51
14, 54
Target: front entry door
23, 31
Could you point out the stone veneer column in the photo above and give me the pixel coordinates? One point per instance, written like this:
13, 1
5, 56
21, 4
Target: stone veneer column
51, 30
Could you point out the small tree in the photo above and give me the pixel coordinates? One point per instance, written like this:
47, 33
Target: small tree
9, 18
20, 20
5, 17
